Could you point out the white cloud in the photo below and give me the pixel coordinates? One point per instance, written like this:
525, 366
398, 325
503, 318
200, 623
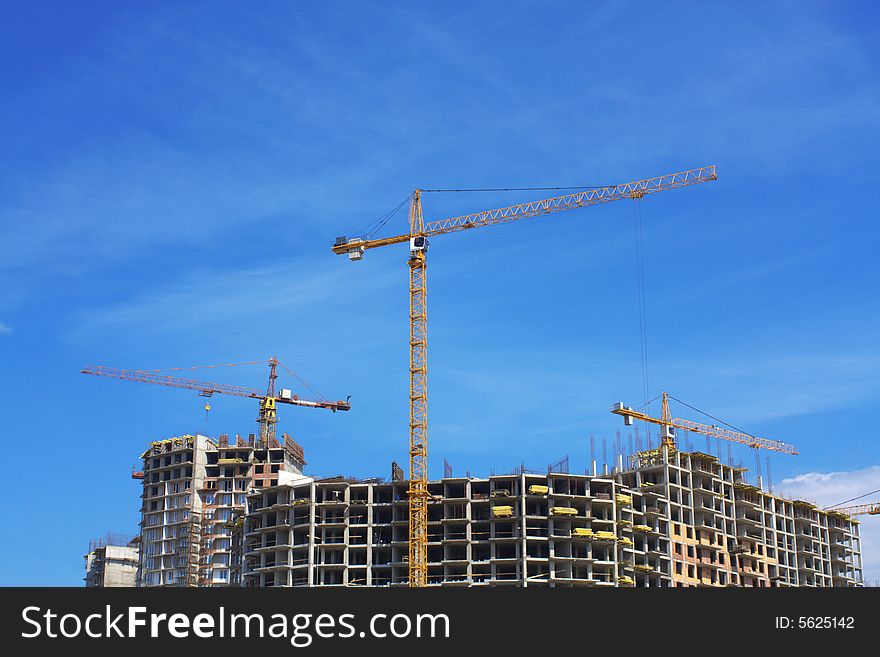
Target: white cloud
4, 328
215, 296
826, 382
828, 488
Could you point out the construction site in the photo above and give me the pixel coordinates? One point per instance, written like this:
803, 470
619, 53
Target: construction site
233, 513
244, 512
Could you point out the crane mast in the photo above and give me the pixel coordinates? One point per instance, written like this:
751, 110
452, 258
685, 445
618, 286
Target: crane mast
418, 387
418, 236
268, 416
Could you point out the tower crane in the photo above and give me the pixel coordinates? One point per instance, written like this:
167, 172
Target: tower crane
669, 424
268, 402
872, 509
418, 237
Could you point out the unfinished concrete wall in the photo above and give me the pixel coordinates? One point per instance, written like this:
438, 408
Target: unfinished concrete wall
112, 566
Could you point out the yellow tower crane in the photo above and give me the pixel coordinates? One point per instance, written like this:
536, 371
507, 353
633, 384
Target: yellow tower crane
268, 416
669, 424
872, 509
419, 233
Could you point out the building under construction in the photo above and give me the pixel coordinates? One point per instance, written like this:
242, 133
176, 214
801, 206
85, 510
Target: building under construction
235, 512
193, 491
669, 518
112, 561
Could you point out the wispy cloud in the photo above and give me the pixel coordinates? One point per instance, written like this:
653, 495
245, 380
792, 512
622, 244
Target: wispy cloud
831, 488
5, 329
827, 488
713, 284
754, 387
224, 300
138, 192
825, 382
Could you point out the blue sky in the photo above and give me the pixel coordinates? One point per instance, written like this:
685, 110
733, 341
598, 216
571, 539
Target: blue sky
172, 178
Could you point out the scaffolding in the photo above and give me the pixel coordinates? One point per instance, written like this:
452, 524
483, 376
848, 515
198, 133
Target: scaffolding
189, 549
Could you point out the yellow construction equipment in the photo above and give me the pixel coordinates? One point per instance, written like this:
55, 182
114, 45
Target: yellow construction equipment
418, 236
502, 511
624, 500
563, 511
605, 536
177, 441
234, 522
625, 580
268, 417
642, 528
582, 532
872, 509
536, 489
668, 425
624, 541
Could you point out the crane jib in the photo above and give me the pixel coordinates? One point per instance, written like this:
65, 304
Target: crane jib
208, 389
355, 246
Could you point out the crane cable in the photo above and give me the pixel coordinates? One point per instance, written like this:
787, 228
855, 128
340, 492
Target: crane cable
304, 383
518, 189
643, 319
712, 417
320, 396
746, 433
205, 367
852, 499
645, 405
370, 229
367, 231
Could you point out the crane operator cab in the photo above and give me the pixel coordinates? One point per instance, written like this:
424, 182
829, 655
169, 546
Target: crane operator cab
419, 243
